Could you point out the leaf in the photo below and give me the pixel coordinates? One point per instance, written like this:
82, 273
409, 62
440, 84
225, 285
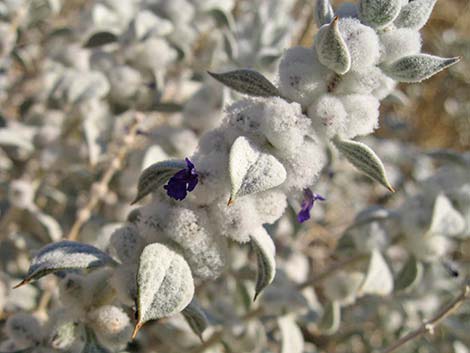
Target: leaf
265, 254
223, 19
65, 255
196, 318
331, 48
415, 14
41, 225
164, 284
379, 277
323, 12
15, 138
331, 318
156, 176
248, 82
446, 220
292, 338
99, 39
343, 286
92, 345
364, 159
379, 13
252, 170
410, 274
419, 67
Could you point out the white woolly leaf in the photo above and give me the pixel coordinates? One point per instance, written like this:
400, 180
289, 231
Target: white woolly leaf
419, 67
379, 277
164, 284
446, 220
64, 334
156, 176
331, 48
415, 14
292, 338
379, 13
364, 159
324, 12
331, 318
196, 318
249, 82
410, 274
65, 255
252, 170
265, 253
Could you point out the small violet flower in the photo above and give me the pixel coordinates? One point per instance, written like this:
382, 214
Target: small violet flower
307, 204
182, 182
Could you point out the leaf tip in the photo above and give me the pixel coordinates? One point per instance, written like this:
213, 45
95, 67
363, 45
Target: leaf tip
22, 283
231, 201
137, 328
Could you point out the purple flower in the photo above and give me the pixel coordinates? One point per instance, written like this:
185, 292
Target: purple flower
182, 182
307, 204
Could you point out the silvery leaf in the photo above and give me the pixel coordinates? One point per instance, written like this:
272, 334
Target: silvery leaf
41, 225
415, 14
92, 135
252, 170
379, 13
92, 345
379, 277
99, 39
156, 176
364, 159
64, 334
248, 82
15, 138
419, 67
324, 12
343, 286
196, 318
65, 255
292, 338
331, 48
265, 253
410, 274
164, 284
223, 18
446, 220
331, 318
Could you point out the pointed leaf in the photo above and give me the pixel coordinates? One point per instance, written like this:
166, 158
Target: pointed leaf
364, 159
99, 39
265, 253
292, 338
196, 318
419, 67
252, 170
331, 318
156, 176
415, 14
331, 48
65, 255
379, 13
410, 274
379, 277
323, 12
164, 284
249, 82
446, 220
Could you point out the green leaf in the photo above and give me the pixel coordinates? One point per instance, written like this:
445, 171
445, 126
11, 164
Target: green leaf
410, 274
364, 159
331, 318
155, 176
323, 12
248, 82
196, 318
415, 14
265, 251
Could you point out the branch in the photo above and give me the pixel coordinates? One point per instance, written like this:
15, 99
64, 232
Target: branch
430, 325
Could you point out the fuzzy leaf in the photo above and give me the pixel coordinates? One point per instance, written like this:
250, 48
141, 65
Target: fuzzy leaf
331, 318
364, 159
323, 12
446, 220
92, 345
292, 338
196, 318
164, 284
331, 48
248, 82
419, 67
99, 39
379, 13
15, 138
415, 14
342, 287
410, 274
156, 176
379, 277
265, 253
252, 170
65, 255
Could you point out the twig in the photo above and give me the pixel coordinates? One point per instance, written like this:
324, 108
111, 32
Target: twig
430, 325
99, 189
